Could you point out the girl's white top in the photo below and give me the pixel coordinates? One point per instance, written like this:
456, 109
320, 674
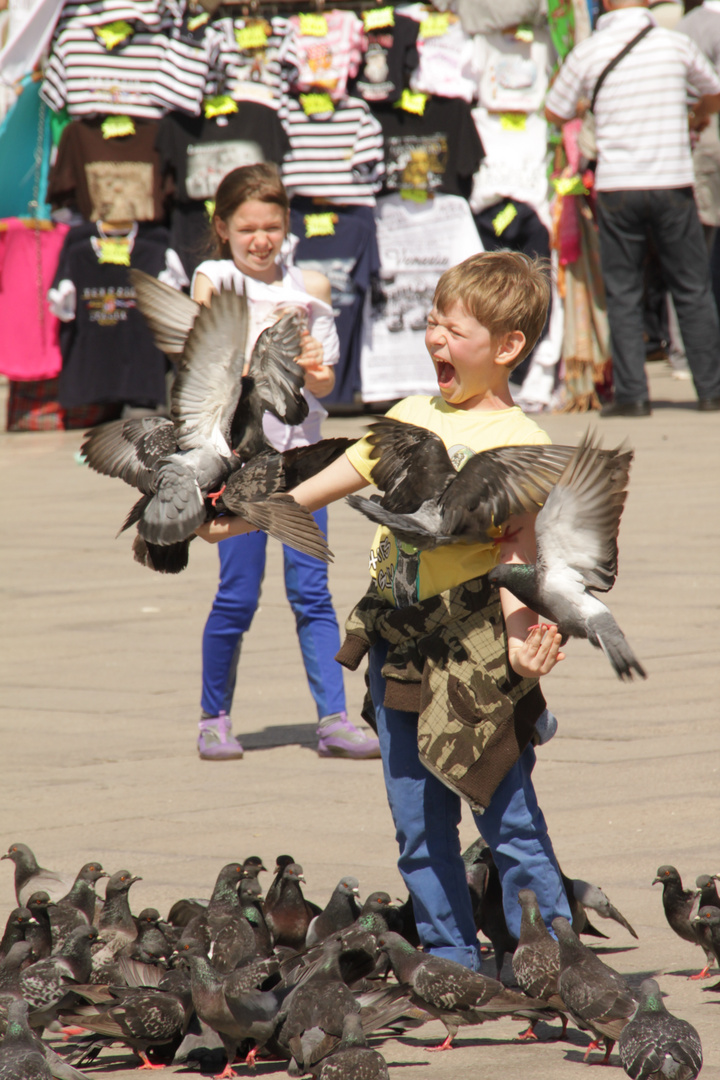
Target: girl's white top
265, 300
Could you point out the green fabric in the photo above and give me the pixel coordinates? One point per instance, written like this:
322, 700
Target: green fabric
561, 21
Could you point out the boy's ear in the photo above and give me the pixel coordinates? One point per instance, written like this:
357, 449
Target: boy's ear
509, 347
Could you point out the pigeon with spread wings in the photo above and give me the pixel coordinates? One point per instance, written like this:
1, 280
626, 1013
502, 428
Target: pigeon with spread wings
215, 427
576, 536
427, 501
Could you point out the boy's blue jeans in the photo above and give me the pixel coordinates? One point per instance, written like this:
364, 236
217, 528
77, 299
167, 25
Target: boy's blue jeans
427, 814
242, 567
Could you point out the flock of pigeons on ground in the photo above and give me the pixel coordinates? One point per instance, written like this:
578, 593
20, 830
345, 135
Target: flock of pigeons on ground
282, 978
211, 456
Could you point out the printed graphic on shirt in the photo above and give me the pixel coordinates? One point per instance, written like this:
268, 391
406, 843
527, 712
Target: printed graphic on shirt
396, 565
208, 162
373, 82
416, 162
339, 273
406, 303
120, 190
108, 306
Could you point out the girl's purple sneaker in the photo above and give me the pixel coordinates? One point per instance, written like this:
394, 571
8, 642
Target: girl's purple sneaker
337, 737
216, 741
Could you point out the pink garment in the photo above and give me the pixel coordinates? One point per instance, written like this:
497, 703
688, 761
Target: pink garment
29, 347
326, 63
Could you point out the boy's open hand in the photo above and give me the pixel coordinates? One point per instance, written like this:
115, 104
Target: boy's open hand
538, 653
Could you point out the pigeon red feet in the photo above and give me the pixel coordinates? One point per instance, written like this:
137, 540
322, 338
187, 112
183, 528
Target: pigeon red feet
529, 1034
250, 1059
68, 1032
594, 1045
443, 1046
147, 1063
213, 496
704, 974
226, 1073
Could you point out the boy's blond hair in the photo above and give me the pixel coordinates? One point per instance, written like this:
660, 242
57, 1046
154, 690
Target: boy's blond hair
503, 290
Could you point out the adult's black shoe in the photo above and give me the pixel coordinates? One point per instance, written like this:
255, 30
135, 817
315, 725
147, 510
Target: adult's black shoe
709, 404
627, 408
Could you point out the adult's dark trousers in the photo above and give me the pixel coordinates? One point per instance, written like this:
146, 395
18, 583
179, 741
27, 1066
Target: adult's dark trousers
669, 216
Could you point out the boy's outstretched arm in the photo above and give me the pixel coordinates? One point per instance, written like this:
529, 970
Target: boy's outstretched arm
533, 651
334, 482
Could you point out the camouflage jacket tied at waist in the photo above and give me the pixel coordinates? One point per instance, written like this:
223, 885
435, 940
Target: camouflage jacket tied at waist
447, 661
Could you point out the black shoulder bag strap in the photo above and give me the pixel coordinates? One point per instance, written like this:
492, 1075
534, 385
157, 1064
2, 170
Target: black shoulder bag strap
616, 60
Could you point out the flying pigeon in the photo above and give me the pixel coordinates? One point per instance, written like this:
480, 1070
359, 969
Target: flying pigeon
452, 993
427, 502
215, 427
680, 907
30, 878
596, 996
576, 535
655, 1045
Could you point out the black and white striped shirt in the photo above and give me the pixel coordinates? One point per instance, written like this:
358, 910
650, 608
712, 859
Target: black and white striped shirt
336, 156
641, 120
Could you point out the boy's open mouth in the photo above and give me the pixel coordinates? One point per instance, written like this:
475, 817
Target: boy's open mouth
445, 372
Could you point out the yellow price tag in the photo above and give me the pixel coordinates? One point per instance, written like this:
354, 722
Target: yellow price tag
221, 105
506, 216
414, 195
435, 24
113, 34
210, 208
412, 103
114, 250
513, 121
253, 36
569, 185
197, 21
319, 225
525, 33
114, 127
312, 24
316, 103
378, 18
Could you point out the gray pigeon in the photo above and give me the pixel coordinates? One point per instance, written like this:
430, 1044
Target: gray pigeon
18, 921
430, 499
20, 1056
707, 922
353, 1059
81, 902
576, 535
30, 878
536, 960
656, 1045
452, 993
342, 910
680, 907
116, 926
47, 985
596, 996
592, 896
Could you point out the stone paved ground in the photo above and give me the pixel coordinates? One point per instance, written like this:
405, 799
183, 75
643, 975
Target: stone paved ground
100, 677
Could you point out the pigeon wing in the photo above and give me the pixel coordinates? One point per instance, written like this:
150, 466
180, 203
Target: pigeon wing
289, 522
177, 508
206, 391
277, 379
578, 526
411, 463
130, 449
495, 484
170, 314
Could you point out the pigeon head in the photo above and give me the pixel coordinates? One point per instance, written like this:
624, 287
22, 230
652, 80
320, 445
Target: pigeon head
377, 902
568, 940
253, 866
352, 1031
294, 872
149, 915
707, 916
349, 886
92, 872
651, 996
22, 856
21, 916
666, 873
120, 883
40, 901
391, 940
282, 861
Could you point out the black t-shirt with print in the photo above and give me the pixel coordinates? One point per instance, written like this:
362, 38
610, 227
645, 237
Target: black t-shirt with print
389, 57
439, 151
198, 152
108, 351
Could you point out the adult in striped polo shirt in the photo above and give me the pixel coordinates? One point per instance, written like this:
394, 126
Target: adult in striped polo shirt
644, 184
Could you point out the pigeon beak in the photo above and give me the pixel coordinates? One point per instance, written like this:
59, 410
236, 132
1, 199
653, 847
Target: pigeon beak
134, 879
356, 892
657, 881
5, 856
301, 877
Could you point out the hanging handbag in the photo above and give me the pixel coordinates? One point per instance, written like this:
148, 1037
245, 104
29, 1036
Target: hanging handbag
586, 137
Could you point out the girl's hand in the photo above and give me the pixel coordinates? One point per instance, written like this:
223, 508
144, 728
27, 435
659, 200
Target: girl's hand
538, 653
311, 353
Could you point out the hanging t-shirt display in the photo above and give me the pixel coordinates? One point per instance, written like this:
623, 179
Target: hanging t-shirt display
108, 177
446, 63
341, 244
417, 243
198, 152
513, 72
515, 165
29, 346
390, 54
107, 349
335, 155
251, 58
437, 150
325, 50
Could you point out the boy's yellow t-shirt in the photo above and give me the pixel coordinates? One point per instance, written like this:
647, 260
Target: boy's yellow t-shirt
403, 574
